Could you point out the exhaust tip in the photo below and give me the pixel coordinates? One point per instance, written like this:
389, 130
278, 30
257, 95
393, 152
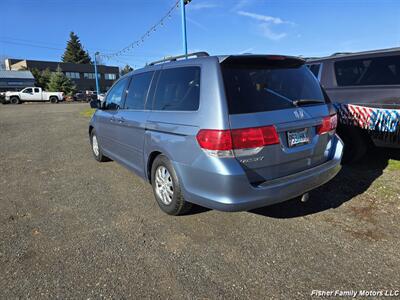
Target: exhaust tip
305, 197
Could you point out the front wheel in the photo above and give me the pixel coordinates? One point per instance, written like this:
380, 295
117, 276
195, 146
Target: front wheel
166, 187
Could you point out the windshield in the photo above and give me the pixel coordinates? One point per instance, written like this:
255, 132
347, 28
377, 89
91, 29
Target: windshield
251, 89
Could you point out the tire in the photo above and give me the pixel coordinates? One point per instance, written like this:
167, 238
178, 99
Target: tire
166, 187
96, 149
15, 100
53, 99
356, 143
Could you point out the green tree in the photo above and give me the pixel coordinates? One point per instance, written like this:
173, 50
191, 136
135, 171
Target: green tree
126, 70
60, 83
42, 78
74, 52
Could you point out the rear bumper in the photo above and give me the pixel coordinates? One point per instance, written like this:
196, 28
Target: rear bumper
228, 189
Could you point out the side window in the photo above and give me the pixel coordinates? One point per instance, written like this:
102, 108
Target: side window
369, 71
178, 89
315, 69
28, 91
115, 95
36, 90
137, 91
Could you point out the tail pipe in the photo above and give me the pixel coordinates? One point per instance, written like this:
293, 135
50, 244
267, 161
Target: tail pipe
305, 197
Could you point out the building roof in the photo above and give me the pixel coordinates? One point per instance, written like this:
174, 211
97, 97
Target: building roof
16, 74
52, 65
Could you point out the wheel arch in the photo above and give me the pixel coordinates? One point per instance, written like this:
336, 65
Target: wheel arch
150, 160
357, 142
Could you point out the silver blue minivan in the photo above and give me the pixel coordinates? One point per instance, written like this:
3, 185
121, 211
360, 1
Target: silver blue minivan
230, 133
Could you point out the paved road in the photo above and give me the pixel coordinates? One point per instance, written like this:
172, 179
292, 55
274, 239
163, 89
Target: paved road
71, 227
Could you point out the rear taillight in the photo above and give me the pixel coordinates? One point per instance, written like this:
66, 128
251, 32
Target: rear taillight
214, 139
239, 142
329, 123
254, 137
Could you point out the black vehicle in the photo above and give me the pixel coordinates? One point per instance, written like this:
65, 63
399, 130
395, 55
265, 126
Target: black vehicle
85, 96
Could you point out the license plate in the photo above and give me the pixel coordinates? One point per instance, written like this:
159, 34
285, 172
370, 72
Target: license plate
298, 137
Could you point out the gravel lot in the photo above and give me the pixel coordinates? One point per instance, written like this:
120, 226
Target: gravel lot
71, 227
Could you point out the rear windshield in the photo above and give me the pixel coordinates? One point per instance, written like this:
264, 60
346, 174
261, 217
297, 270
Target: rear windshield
251, 88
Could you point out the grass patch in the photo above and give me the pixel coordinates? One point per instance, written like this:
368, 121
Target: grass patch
394, 165
88, 112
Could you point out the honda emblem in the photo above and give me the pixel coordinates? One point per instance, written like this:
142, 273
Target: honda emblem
299, 114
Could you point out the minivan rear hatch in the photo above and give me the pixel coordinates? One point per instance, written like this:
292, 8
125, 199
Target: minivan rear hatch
279, 98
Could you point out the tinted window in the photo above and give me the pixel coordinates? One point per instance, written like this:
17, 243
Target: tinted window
28, 91
150, 97
110, 76
137, 91
178, 89
115, 95
253, 88
368, 71
36, 90
315, 69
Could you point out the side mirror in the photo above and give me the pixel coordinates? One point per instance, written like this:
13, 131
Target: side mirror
95, 104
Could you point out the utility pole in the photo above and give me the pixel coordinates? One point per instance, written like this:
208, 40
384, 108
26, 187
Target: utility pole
183, 14
96, 75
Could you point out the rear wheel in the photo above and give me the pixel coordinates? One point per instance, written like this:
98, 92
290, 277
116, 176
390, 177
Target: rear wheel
96, 149
53, 99
15, 100
356, 143
166, 187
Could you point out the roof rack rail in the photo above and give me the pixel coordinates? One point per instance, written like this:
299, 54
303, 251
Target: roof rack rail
174, 58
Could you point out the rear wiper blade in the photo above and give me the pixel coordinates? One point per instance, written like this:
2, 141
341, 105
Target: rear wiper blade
281, 96
307, 101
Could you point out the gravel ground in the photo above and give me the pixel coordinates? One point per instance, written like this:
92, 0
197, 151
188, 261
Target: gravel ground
71, 227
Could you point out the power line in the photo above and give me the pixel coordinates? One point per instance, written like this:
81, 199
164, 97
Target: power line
30, 41
121, 58
141, 40
30, 45
108, 56
34, 44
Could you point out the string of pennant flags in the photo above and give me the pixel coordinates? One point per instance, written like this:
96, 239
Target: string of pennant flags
140, 41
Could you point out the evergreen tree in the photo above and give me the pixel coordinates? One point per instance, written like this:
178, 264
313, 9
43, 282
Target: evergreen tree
74, 52
42, 78
126, 70
60, 83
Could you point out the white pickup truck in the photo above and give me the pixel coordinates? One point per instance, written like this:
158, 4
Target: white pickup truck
33, 94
